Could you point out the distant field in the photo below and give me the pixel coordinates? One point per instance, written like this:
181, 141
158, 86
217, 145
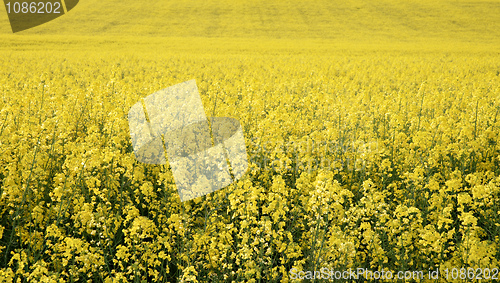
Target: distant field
371, 129
391, 24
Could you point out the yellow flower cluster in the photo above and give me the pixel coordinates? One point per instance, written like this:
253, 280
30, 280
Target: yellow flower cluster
377, 161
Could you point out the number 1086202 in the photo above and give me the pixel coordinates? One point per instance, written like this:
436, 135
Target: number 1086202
33, 7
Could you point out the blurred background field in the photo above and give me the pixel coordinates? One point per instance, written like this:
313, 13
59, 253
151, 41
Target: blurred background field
244, 25
372, 132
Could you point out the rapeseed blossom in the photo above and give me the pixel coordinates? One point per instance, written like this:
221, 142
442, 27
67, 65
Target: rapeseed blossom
369, 161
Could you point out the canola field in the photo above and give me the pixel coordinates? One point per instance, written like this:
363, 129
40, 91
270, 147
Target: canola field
370, 146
